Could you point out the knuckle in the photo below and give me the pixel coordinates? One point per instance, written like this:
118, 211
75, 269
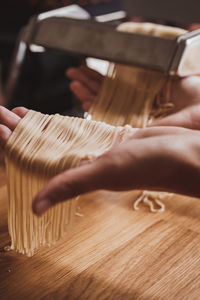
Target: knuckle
67, 189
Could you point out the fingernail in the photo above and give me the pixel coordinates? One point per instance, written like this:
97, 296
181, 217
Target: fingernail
41, 206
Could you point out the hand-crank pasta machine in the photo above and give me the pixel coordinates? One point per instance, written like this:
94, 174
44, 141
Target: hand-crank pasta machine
61, 31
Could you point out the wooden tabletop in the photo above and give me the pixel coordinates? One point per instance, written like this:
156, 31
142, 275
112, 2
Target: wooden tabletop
113, 253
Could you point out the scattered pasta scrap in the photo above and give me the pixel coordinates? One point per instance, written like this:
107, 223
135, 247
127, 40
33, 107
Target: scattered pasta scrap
79, 215
151, 199
7, 248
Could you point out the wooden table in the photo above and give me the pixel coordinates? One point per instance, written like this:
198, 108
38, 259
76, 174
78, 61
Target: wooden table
113, 253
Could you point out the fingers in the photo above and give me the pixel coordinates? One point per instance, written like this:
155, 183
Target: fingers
85, 84
86, 105
91, 73
85, 76
8, 118
83, 93
187, 118
172, 120
67, 185
5, 133
185, 92
20, 111
157, 131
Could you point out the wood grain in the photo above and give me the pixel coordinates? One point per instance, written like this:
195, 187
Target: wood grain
113, 253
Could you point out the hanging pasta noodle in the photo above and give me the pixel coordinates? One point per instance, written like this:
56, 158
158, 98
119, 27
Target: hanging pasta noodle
40, 147
131, 95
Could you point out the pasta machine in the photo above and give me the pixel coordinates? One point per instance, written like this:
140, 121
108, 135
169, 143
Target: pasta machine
90, 38
86, 37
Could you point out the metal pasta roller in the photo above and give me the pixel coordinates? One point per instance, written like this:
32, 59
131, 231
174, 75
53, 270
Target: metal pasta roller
55, 30
89, 38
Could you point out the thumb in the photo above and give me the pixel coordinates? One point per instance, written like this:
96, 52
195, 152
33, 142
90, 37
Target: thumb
69, 184
176, 119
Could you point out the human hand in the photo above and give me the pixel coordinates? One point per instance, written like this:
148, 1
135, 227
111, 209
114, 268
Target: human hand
185, 95
85, 84
8, 122
157, 158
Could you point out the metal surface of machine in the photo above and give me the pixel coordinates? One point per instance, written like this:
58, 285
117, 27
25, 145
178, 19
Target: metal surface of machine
90, 38
62, 31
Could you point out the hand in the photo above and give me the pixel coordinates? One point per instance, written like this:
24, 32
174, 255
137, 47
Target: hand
185, 95
85, 84
157, 158
8, 122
